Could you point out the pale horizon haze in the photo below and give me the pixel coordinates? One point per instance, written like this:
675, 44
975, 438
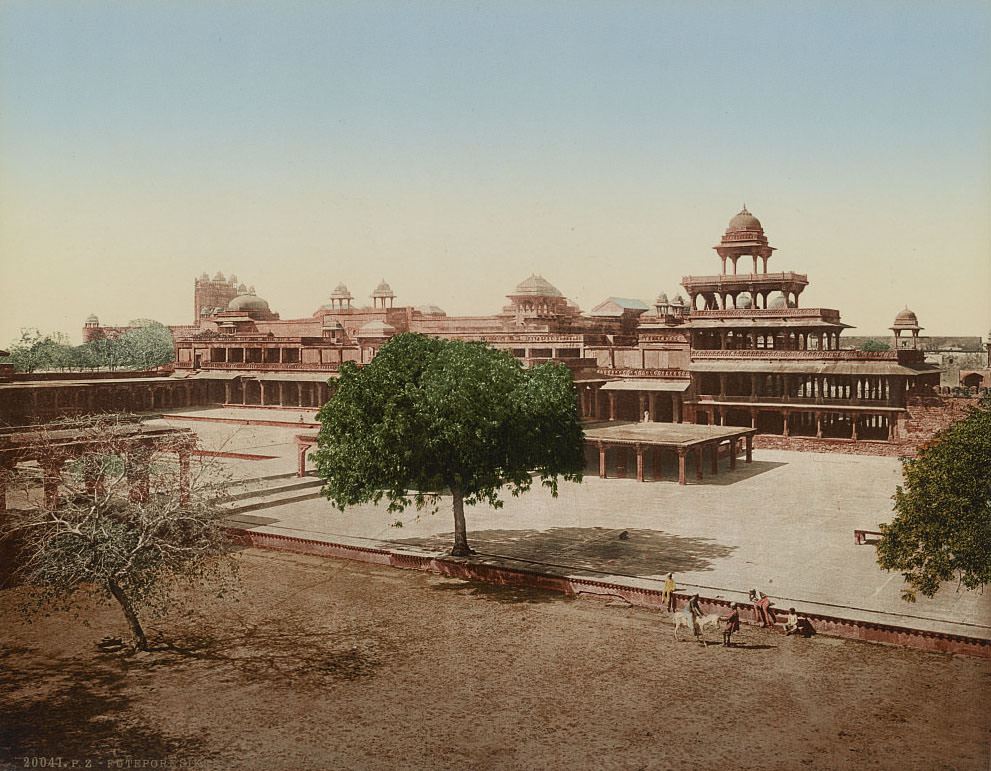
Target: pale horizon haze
455, 148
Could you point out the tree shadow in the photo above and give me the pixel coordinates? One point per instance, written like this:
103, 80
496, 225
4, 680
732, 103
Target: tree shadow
591, 549
280, 649
501, 593
75, 708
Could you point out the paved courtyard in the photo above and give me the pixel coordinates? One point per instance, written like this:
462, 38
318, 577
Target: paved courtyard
783, 523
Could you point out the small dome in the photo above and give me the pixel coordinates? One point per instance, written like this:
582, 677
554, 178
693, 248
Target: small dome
744, 221
777, 301
678, 300
662, 299
383, 290
204, 276
341, 292
92, 319
218, 276
537, 286
744, 301
430, 310
242, 289
232, 278
906, 319
247, 302
251, 289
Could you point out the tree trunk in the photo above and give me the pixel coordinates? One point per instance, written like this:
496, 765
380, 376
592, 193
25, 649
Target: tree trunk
460, 530
132, 618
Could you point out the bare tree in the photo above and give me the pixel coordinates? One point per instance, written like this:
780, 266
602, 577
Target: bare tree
108, 503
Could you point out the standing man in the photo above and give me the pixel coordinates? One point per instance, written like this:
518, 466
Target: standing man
732, 623
667, 595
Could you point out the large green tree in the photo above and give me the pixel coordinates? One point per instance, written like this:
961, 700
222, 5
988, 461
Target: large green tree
428, 415
942, 527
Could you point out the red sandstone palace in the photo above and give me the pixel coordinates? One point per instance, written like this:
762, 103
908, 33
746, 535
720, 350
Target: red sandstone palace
740, 351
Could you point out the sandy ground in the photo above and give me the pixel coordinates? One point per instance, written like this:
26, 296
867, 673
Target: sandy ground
344, 665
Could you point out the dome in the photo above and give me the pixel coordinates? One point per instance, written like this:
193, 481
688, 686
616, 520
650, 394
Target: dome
341, 292
662, 299
218, 276
92, 319
906, 319
777, 301
242, 289
744, 221
247, 302
430, 310
537, 286
383, 290
204, 276
678, 300
743, 301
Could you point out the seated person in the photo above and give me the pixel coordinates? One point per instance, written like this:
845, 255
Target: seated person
792, 625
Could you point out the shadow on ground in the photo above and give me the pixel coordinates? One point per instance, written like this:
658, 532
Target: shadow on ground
507, 595
632, 552
75, 708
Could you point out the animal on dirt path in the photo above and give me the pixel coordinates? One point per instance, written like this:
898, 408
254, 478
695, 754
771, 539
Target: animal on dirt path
681, 619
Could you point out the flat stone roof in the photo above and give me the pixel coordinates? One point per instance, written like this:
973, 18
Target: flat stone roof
667, 434
644, 384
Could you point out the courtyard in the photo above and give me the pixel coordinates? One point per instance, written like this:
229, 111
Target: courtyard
783, 523
338, 664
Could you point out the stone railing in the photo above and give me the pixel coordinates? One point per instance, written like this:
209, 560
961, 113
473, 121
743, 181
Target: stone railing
673, 374
288, 366
826, 314
811, 401
744, 278
780, 353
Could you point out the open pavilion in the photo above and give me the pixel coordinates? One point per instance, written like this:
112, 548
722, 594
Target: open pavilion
677, 438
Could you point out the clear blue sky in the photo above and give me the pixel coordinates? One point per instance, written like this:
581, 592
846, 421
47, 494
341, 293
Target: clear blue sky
453, 148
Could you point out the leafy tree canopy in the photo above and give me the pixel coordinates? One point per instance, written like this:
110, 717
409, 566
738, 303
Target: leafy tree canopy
428, 415
875, 345
942, 527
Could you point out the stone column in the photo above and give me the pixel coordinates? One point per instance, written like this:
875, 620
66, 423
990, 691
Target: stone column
612, 405
261, 392
301, 460
227, 392
676, 408
818, 425
853, 422
183, 476
732, 454
138, 462
681, 467
639, 462
52, 476
785, 414
602, 461
753, 417
5, 469
643, 406
299, 394
652, 399
750, 447
282, 390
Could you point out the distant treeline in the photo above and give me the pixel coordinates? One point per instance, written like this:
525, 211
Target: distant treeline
147, 344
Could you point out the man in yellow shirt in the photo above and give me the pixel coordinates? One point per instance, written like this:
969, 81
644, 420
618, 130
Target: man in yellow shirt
667, 595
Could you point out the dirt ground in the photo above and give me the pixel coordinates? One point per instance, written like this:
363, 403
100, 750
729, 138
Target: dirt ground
343, 665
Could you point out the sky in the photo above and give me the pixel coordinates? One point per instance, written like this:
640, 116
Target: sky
454, 148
